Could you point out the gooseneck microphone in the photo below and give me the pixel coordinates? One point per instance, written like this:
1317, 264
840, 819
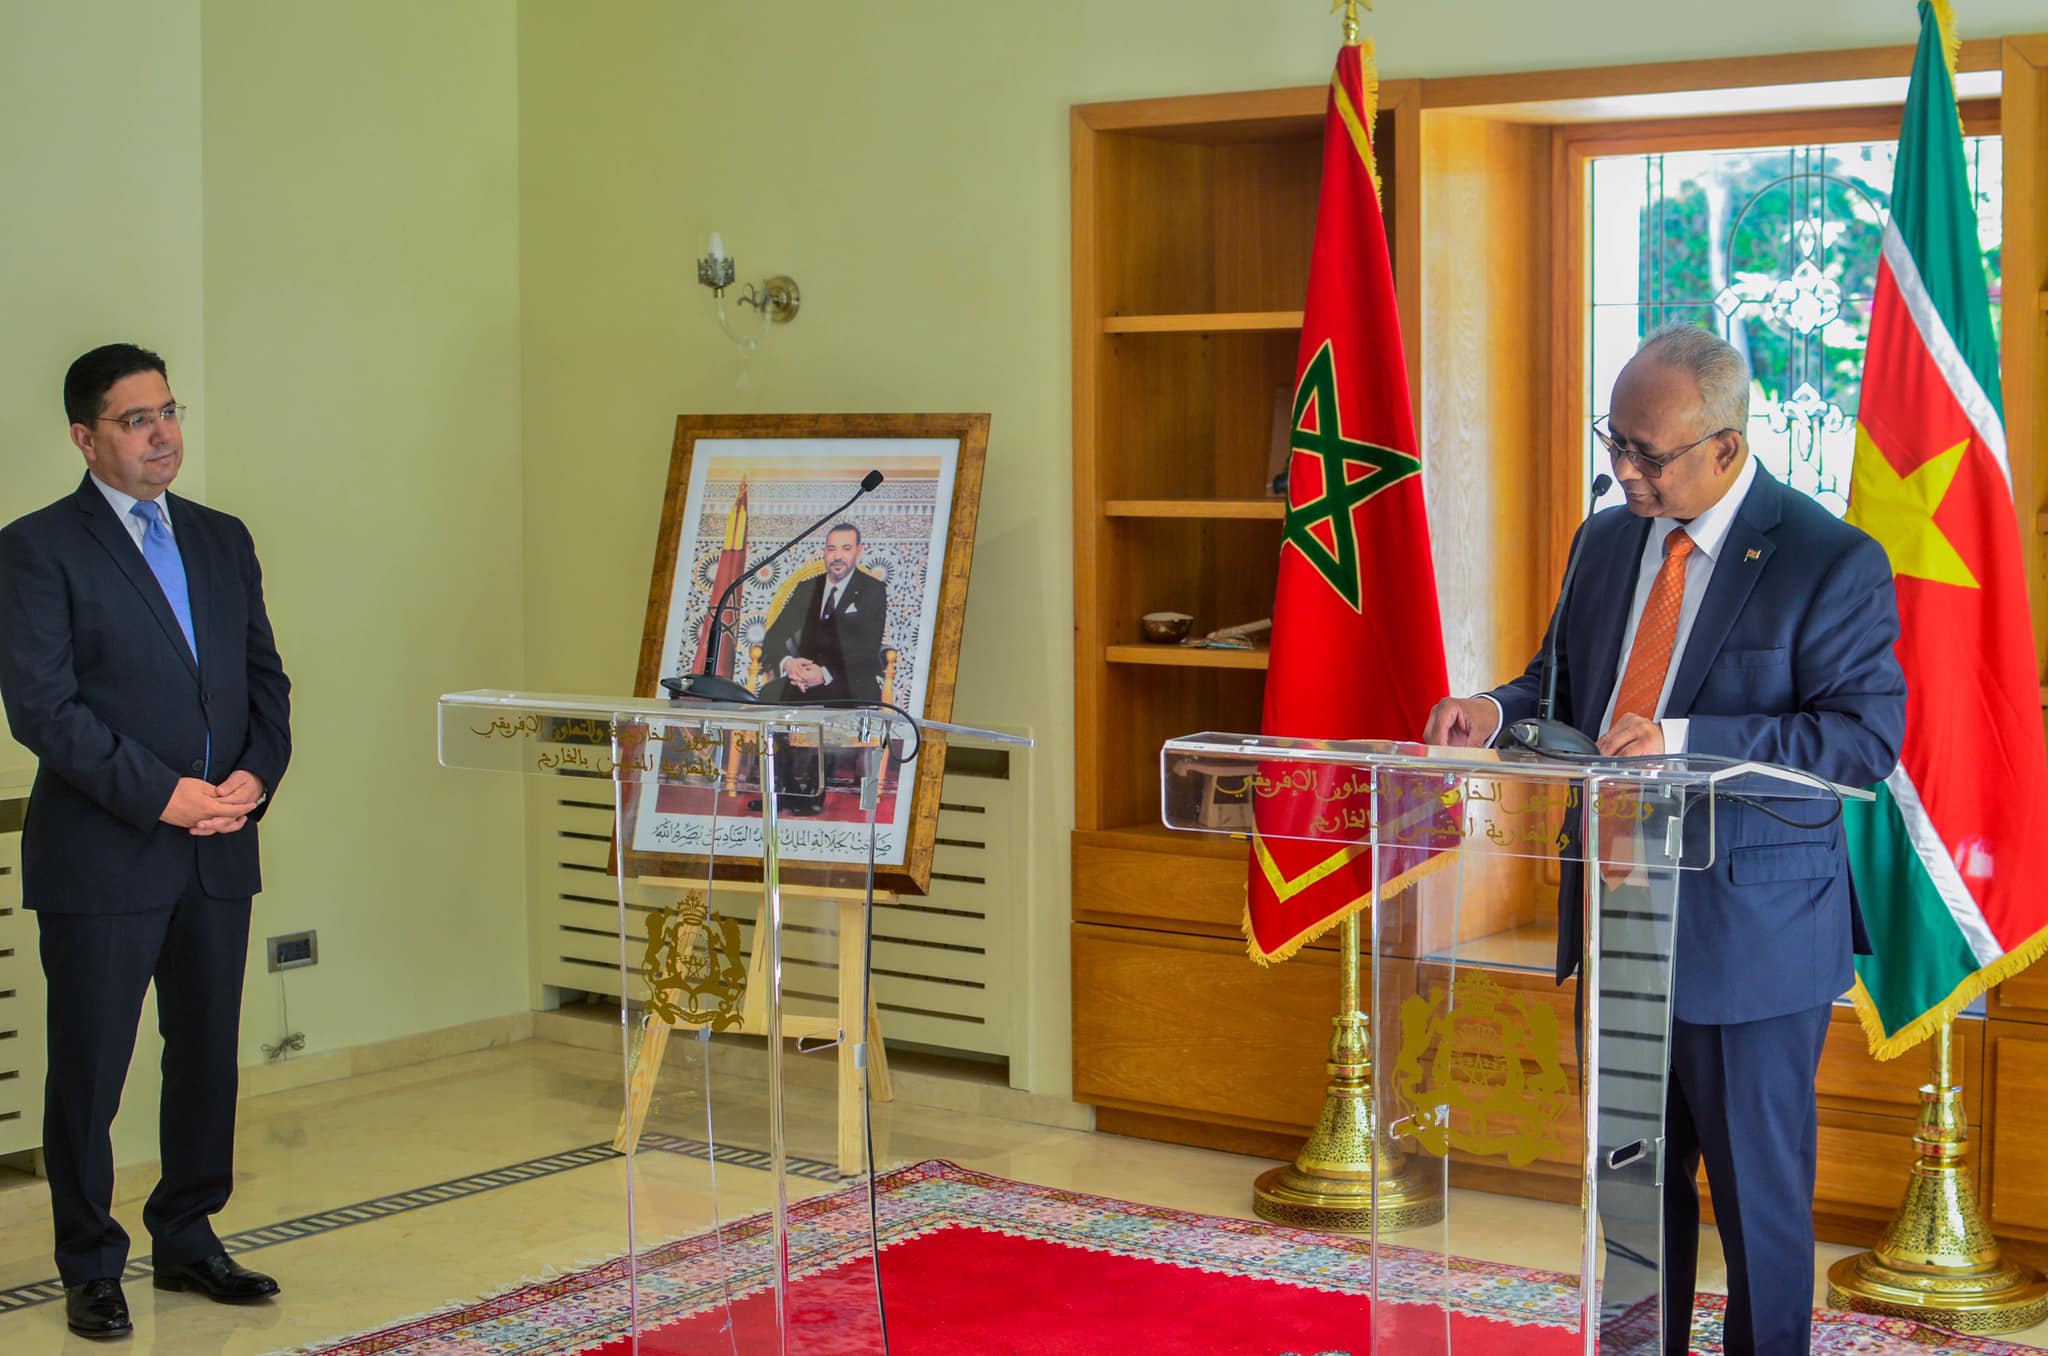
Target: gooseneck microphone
706, 686
1544, 733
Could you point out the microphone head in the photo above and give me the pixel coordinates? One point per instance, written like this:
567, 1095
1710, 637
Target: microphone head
870, 482
1602, 483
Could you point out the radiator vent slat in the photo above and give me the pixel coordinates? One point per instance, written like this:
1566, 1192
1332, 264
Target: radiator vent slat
944, 964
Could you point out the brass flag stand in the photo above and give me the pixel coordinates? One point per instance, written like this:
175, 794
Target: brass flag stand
1938, 1261
1331, 1183
1345, 1178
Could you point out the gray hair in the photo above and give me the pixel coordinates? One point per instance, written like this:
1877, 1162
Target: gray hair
1715, 364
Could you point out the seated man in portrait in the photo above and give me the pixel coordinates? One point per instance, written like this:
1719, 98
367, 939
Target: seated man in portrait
825, 645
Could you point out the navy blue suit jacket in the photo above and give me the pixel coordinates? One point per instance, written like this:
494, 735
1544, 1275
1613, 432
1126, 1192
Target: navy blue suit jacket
1790, 661
99, 684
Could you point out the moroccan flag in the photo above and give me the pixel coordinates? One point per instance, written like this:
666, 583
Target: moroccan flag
732, 563
1357, 643
1951, 862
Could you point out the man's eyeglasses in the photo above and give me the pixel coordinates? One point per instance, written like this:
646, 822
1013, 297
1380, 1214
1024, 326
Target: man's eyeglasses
170, 414
1651, 464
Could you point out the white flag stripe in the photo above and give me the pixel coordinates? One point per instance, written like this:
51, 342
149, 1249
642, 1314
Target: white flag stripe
1941, 346
1941, 869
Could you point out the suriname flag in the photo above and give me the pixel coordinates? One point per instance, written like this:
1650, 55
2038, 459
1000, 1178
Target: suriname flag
1951, 861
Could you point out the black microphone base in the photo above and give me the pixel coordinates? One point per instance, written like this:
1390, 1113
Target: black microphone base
1549, 737
707, 687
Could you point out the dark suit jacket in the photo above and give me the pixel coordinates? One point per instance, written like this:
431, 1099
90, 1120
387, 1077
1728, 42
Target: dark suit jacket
99, 685
1789, 661
850, 645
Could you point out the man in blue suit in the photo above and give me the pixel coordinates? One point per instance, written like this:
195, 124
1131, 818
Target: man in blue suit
136, 664
1723, 613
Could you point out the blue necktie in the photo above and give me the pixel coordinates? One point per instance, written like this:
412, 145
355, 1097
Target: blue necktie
168, 566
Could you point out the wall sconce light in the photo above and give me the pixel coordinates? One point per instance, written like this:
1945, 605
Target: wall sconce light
776, 297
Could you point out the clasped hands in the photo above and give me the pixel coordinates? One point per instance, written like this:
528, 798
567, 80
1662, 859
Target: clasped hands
1472, 722
805, 673
205, 809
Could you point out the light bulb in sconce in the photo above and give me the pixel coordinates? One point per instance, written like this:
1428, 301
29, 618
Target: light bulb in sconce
775, 297
715, 269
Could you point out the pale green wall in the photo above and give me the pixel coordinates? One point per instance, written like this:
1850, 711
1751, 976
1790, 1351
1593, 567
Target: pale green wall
99, 223
100, 230
362, 341
312, 212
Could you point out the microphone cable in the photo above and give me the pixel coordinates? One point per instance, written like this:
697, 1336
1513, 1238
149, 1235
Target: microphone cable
1715, 793
855, 704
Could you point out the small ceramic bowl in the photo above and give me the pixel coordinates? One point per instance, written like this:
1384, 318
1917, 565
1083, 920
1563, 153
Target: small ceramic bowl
1165, 628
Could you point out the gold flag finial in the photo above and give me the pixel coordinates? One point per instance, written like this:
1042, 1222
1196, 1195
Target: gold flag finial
1350, 8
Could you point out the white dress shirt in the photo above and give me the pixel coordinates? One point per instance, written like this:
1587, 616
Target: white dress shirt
137, 528
1709, 533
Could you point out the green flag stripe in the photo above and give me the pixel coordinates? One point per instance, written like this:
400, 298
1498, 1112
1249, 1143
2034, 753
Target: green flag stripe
1936, 213
1922, 956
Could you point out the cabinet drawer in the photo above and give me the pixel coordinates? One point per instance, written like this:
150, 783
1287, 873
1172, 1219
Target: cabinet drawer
2019, 1128
1201, 893
1188, 1026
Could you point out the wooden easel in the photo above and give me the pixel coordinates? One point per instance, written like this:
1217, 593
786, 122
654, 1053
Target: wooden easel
754, 1021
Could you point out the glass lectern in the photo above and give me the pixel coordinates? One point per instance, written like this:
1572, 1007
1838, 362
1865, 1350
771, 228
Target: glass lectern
744, 852
1476, 1058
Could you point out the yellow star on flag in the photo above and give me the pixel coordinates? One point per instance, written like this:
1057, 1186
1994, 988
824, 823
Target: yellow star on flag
1899, 511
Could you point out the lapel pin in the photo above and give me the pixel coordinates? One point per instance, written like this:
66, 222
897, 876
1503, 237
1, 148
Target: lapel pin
1752, 554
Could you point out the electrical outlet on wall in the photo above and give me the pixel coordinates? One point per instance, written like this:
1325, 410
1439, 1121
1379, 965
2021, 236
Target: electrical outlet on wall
293, 950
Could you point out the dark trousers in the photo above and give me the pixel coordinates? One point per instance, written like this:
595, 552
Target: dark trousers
99, 966
799, 777
1741, 1098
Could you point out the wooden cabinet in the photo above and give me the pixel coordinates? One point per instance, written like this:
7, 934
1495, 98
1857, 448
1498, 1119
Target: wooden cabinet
2018, 1184
1192, 221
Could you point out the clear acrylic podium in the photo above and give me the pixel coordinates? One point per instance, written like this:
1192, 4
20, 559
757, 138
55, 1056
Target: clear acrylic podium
745, 847
1472, 1049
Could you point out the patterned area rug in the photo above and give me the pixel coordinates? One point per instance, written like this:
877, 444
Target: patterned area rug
975, 1263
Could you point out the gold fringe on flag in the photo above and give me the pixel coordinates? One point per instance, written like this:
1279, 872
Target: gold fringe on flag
1951, 45
1951, 1007
1286, 950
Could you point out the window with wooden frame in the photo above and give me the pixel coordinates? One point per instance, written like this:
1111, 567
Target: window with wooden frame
1763, 228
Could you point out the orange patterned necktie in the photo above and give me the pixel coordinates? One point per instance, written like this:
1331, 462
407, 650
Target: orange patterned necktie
1649, 659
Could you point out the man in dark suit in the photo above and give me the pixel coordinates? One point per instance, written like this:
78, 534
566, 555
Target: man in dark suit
136, 663
825, 645
1723, 613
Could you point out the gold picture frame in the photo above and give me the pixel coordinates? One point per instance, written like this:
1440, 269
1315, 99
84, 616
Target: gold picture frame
792, 468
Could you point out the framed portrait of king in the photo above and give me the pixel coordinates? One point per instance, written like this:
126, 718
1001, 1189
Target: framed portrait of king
866, 609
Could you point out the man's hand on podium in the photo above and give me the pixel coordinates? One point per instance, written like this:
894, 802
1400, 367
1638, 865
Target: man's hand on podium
1462, 722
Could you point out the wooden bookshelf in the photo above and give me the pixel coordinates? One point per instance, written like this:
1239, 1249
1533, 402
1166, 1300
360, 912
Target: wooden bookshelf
1203, 322
1192, 219
1186, 657
1198, 508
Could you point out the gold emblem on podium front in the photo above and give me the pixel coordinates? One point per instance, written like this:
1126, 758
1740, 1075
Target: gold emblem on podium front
695, 972
1479, 1071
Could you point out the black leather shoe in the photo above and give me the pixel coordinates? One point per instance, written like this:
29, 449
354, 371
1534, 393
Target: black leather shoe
97, 1309
219, 1276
